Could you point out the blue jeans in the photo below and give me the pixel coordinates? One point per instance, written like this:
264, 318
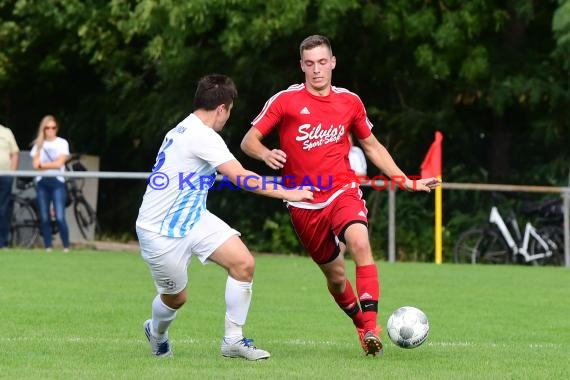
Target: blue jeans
49, 190
5, 209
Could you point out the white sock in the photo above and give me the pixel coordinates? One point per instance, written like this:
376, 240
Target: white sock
162, 317
238, 299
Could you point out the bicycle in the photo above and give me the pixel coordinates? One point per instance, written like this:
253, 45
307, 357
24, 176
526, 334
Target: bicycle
24, 230
24, 222
550, 223
85, 215
500, 241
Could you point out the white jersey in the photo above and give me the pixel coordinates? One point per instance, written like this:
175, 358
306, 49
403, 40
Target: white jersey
184, 171
357, 160
50, 151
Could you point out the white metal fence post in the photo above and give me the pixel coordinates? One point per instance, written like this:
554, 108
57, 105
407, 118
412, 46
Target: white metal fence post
566, 229
391, 223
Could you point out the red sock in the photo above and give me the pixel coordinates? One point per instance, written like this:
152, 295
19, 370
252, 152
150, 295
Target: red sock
349, 304
368, 288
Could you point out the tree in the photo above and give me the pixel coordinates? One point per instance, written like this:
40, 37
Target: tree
492, 75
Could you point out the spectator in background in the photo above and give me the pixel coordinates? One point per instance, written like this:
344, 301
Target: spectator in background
356, 158
8, 161
49, 153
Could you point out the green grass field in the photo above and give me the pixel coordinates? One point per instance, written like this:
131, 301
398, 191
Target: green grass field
80, 315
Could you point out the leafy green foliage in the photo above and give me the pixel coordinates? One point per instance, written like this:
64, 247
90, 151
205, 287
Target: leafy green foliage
493, 76
282, 235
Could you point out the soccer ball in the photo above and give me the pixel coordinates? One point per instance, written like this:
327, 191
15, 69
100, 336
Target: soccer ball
408, 327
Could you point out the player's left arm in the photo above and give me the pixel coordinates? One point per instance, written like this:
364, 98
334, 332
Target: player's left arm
251, 181
381, 158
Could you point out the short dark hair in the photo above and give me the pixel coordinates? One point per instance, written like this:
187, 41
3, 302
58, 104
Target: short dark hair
214, 90
314, 41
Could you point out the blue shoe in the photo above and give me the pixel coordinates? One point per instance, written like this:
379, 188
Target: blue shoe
160, 349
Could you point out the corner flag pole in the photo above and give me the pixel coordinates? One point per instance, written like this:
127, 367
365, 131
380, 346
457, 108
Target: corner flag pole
431, 167
438, 225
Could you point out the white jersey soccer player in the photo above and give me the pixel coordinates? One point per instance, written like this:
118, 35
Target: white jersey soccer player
175, 198
174, 223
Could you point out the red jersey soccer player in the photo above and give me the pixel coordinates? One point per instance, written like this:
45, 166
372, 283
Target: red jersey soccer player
314, 120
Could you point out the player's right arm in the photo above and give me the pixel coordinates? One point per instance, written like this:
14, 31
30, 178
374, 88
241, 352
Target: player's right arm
253, 147
251, 181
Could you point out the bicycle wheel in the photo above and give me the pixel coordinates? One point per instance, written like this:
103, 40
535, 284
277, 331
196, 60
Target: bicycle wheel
85, 217
493, 248
465, 250
481, 245
553, 236
24, 227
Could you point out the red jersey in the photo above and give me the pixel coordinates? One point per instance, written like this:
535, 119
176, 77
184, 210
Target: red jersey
313, 132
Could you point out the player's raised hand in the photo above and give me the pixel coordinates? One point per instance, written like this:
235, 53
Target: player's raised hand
275, 159
424, 184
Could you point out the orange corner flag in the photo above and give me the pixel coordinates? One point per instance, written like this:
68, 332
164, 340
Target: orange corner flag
431, 167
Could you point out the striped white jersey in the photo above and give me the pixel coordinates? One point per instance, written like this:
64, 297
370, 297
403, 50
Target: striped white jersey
184, 171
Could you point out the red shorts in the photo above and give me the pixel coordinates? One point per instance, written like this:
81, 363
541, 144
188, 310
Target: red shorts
321, 230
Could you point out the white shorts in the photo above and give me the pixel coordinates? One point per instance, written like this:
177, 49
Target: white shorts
168, 257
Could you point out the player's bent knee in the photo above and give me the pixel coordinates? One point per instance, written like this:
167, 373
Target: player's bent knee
243, 271
361, 252
360, 246
336, 279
